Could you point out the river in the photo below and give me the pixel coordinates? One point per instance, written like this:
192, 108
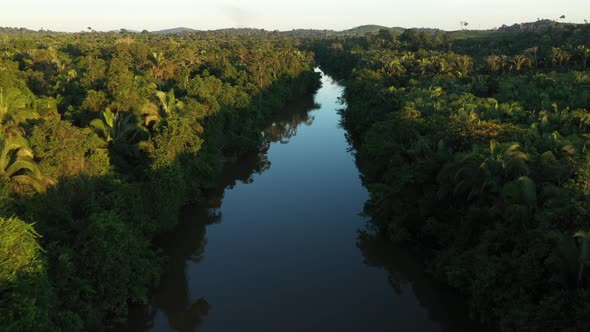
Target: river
280, 246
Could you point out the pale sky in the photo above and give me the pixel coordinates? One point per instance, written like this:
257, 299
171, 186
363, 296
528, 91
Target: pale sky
103, 15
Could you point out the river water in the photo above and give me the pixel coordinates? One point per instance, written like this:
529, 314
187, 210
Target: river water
279, 247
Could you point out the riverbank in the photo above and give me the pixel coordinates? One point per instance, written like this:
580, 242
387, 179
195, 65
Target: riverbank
112, 160
482, 163
276, 246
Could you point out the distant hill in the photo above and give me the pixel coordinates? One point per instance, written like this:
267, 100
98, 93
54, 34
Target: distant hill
371, 28
431, 31
124, 31
537, 26
309, 32
174, 31
182, 30
10, 30
247, 31
358, 31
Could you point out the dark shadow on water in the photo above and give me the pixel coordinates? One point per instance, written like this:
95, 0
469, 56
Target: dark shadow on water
185, 243
188, 240
172, 306
405, 270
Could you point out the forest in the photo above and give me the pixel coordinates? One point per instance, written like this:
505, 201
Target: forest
103, 138
473, 148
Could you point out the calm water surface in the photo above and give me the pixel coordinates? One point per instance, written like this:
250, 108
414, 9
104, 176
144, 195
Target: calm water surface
278, 248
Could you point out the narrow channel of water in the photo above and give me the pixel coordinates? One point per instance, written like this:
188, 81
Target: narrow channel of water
278, 248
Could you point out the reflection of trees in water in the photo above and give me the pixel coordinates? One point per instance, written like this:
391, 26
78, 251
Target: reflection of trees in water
285, 123
281, 127
443, 305
283, 131
187, 241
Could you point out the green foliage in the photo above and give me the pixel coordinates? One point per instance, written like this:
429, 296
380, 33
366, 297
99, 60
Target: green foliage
477, 150
64, 150
18, 166
117, 260
15, 107
26, 298
103, 138
117, 127
168, 102
179, 135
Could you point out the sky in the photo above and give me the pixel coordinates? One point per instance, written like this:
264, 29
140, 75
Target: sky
104, 15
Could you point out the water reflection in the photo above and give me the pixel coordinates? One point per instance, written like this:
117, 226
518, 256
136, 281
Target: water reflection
405, 273
285, 125
186, 243
284, 257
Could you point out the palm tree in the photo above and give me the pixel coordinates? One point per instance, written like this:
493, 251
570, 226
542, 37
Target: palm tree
520, 197
17, 165
150, 113
158, 60
502, 160
583, 118
559, 56
583, 52
394, 68
463, 65
521, 191
519, 62
531, 53
495, 62
15, 109
461, 176
514, 111
424, 65
115, 127
169, 102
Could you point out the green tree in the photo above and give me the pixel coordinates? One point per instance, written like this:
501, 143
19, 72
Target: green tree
66, 151
18, 166
168, 102
519, 63
158, 61
115, 127
26, 299
15, 109
505, 159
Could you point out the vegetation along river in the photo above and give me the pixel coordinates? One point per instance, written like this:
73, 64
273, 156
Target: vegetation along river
280, 246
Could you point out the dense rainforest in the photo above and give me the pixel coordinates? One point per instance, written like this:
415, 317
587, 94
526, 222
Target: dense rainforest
103, 137
473, 147
476, 150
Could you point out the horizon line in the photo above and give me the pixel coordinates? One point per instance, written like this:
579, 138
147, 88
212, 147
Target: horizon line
89, 28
